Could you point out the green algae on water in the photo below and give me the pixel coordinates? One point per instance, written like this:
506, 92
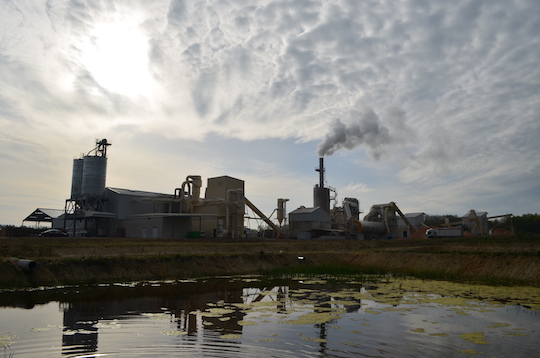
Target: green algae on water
475, 337
247, 323
314, 318
7, 339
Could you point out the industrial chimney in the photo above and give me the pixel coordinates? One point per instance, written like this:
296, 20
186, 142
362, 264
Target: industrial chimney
321, 195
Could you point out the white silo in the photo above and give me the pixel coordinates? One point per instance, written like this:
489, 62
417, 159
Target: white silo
95, 170
94, 175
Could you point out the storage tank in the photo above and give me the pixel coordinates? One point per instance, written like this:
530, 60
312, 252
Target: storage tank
77, 178
321, 198
94, 175
371, 228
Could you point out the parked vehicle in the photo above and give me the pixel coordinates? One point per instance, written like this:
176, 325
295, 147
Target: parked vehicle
444, 232
53, 233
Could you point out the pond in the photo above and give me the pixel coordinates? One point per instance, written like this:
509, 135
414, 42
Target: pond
294, 316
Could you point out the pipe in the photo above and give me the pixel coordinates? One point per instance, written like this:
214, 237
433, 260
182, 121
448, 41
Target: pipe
25, 265
196, 182
178, 193
188, 185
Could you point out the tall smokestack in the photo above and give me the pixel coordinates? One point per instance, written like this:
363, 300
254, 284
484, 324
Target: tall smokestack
321, 195
321, 172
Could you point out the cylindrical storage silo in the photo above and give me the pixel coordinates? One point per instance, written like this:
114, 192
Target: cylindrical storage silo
321, 198
370, 227
94, 174
76, 178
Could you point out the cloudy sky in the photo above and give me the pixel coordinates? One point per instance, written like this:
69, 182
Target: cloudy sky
434, 105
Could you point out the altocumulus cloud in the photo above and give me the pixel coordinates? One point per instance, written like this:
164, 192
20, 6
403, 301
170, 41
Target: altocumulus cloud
447, 90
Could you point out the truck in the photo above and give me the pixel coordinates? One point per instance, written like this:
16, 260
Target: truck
444, 232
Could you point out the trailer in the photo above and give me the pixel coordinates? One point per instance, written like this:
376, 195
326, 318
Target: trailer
444, 232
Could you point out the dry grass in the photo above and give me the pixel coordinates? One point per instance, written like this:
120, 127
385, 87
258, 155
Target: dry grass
503, 260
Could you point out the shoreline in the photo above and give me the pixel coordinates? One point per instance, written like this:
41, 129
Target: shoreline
513, 260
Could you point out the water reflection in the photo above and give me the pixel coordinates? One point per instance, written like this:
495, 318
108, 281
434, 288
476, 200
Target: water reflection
296, 317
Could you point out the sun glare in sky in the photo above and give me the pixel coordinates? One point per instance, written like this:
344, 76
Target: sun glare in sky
116, 55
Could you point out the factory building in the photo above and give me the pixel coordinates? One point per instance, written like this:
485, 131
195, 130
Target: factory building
96, 210
476, 222
307, 223
416, 222
322, 221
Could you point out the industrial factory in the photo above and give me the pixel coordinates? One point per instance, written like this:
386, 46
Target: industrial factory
96, 210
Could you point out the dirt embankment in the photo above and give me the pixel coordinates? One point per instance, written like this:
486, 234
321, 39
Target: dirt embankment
496, 260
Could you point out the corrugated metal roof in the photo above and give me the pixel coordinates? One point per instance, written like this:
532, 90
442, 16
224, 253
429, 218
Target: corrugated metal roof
305, 210
41, 214
147, 194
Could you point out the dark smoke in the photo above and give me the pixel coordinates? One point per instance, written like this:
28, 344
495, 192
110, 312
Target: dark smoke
366, 130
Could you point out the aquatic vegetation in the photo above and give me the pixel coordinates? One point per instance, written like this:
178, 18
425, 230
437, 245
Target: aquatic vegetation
396, 309
314, 318
7, 339
213, 312
231, 336
5, 342
468, 351
247, 323
156, 315
334, 310
508, 333
174, 333
45, 328
111, 325
475, 337
313, 282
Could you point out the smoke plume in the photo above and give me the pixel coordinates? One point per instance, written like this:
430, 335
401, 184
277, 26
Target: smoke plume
366, 130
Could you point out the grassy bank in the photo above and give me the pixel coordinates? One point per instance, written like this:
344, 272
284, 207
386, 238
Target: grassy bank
495, 260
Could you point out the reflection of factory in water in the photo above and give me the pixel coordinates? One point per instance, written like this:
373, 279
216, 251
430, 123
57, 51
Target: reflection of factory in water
187, 311
83, 321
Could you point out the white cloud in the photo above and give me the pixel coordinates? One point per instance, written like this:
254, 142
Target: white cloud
444, 92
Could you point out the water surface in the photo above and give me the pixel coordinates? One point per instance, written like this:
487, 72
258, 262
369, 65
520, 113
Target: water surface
279, 317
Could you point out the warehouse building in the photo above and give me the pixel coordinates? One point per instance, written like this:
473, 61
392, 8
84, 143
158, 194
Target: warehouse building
96, 210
